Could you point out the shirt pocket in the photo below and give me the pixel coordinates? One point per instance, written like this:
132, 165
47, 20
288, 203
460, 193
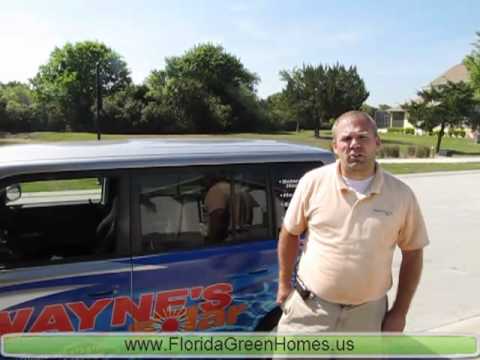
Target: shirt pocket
381, 227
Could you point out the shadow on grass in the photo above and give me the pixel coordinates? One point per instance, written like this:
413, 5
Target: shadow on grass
463, 153
398, 142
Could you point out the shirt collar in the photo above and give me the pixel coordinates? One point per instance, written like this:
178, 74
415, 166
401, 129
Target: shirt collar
375, 186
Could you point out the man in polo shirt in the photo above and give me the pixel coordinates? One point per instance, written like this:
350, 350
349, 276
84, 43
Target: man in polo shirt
353, 215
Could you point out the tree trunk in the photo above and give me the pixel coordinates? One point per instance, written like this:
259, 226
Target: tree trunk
439, 137
298, 126
318, 122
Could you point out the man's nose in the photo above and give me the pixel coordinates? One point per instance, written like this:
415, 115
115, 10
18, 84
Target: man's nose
354, 143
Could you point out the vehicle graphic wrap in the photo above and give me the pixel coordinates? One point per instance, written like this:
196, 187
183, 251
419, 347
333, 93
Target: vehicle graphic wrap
187, 291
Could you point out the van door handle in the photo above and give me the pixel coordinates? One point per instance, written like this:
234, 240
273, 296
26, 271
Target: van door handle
258, 271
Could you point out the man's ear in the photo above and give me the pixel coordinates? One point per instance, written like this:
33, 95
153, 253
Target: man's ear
333, 145
378, 141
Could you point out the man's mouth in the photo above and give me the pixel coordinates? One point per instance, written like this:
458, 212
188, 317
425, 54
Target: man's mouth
355, 157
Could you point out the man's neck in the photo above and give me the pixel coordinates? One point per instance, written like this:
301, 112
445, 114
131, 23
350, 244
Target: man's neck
358, 174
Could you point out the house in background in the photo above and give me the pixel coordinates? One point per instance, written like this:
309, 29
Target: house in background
394, 117
398, 118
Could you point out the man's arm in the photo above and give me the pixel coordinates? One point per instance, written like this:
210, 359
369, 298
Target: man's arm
287, 257
410, 271
218, 221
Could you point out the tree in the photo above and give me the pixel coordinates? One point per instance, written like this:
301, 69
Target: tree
17, 108
318, 93
68, 80
124, 109
280, 113
370, 110
384, 107
448, 105
206, 90
472, 63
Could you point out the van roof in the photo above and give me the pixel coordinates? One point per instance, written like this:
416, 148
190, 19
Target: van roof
142, 153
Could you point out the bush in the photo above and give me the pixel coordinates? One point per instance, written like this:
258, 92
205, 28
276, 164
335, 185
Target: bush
395, 130
422, 152
411, 151
389, 151
458, 133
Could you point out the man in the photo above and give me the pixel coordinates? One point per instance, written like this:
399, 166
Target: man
217, 206
353, 216
219, 203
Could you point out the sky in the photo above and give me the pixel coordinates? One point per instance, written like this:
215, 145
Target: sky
397, 46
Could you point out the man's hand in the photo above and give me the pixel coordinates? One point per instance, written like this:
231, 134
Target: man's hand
283, 292
410, 270
287, 256
394, 321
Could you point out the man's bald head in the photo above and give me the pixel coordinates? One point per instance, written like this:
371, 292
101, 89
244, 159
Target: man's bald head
351, 115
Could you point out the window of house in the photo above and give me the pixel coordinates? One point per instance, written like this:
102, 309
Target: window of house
199, 207
398, 118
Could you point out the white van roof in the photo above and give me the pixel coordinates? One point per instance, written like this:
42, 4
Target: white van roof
141, 153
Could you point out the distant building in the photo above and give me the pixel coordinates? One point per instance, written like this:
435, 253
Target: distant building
397, 117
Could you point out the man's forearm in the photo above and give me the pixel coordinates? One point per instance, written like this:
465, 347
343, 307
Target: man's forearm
410, 272
287, 256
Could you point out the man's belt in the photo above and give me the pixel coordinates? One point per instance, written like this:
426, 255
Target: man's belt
305, 293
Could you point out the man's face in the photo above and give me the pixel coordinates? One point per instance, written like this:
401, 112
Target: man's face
355, 144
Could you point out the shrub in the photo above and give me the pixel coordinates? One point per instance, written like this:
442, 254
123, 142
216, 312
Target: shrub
411, 151
395, 130
409, 131
459, 133
422, 152
390, 151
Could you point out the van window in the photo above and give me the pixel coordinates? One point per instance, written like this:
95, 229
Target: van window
192, 208
56, 220
285, 178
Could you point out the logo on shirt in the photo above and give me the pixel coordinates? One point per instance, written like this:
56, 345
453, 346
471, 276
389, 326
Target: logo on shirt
382, 211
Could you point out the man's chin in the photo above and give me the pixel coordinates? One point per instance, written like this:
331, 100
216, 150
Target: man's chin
356, 164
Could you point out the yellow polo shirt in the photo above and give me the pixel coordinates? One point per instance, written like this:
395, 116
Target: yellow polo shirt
351, 237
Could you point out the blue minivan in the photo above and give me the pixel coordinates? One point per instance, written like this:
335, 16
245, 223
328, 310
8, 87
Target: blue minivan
144, 235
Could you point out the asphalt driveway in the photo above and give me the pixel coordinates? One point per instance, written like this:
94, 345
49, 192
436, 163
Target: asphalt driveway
448, 298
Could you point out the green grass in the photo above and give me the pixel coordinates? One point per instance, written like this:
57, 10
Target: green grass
60, 185
48, 136
458, 145
410, 168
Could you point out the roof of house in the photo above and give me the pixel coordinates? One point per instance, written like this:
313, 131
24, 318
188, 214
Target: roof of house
111, 155
455, 74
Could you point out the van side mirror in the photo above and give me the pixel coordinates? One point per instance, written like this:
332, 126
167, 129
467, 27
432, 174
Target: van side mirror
13, 192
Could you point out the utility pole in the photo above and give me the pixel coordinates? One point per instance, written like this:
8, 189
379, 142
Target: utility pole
99, 106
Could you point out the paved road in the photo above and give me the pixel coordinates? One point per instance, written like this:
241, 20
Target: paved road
448, 298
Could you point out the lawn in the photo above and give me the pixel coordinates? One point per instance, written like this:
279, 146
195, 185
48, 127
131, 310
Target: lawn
459, 146
409, 168
61, 185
